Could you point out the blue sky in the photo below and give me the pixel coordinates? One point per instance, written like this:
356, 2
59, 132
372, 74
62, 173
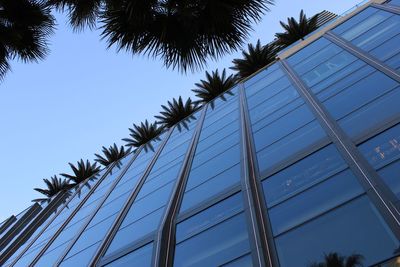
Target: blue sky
83, 96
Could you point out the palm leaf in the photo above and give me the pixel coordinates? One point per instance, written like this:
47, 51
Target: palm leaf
256, 58
213, 86
111, 155
296, 30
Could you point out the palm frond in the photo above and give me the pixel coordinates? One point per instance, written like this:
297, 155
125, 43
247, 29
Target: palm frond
256, 58
177, 111
53, 187
81, 13
296, 30
213, 86
25, 26
184, 34
142, 134
111, 155
81, 172
334, 259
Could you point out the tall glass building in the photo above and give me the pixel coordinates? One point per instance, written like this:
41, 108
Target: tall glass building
298, 161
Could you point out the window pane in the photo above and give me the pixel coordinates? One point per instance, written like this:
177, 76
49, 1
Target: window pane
312, 202
216, 246
140, 257
383, 153
303, 174
353, 228
209, 217
374, 31
353, 92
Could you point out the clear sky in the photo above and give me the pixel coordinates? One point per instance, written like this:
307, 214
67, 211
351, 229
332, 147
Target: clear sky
83, 96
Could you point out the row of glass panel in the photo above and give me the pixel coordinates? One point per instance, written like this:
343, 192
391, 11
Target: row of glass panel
315, 203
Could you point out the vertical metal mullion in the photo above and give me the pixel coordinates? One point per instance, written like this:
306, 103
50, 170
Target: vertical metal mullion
80, 205
388, 7
7, 222
364, 56
164, 242
254, 199
382, 197
97, 208
57, 214
19, 225
125, 209
30, 230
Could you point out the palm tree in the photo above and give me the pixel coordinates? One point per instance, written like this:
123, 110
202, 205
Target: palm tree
335, 260
182, 33
214, 85
177, 111
24, 26
296, 30
54, 186
257, 57
111, 155
143, 134
81, 172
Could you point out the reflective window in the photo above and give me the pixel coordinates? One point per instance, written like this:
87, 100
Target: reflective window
316, 206
352, 91
383, 153
395, 2
309, 171
353, 228
282, 124
83, 249
214, 237
216, 163
144, 216
36, 243
139, 257
375, 31
74, 225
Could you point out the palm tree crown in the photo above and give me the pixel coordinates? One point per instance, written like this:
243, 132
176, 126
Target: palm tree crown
81, 172
182, 33
257, 57
177, 111
336, 260
296, 30
54, 186
111, 155
142, 134
214, 85
25, 26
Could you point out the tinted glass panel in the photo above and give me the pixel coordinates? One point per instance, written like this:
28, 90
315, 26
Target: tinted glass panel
383, 153
213, 237
215, 165
140, 257
146, 212
83, 249
353, 228
375, 31
353, 92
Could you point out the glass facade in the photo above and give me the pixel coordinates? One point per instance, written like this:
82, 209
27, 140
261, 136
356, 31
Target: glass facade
298, 161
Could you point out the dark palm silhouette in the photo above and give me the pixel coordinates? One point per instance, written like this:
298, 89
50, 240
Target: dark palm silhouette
81, 172
257, 57
182, 33
296, 30
24, 26
54, 186
336, 260
214, 85
111, 155
143, 134
177, 111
